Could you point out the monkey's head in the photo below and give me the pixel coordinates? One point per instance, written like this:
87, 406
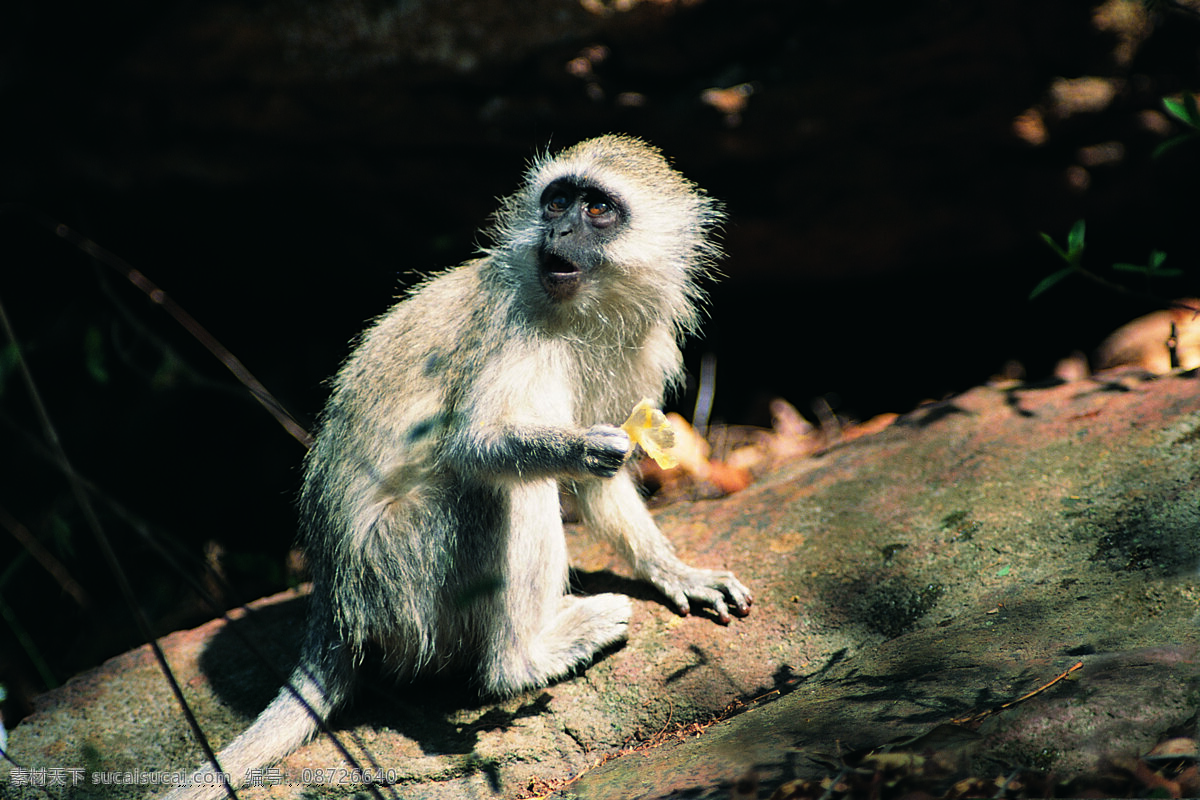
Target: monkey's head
607, 230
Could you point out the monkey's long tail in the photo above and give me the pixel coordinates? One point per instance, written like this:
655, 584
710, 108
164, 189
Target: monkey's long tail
318, 685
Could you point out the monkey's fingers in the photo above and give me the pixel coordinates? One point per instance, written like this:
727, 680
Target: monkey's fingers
605, 449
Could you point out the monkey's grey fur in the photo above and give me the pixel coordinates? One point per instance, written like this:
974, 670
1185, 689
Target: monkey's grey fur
430, 504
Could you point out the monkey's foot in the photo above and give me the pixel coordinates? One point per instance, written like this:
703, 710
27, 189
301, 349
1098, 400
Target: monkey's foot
717, 589
582, 628
596, 621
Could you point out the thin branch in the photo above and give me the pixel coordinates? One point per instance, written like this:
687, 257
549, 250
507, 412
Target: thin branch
168, 304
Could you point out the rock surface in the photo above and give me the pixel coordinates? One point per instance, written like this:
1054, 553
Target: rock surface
952, 563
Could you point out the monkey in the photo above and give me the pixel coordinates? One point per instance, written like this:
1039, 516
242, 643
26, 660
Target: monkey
430, 505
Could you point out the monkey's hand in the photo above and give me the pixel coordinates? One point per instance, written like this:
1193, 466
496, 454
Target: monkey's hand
605, 449
717, 589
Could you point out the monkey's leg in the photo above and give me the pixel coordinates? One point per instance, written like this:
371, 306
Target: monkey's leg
537, 633
614, 510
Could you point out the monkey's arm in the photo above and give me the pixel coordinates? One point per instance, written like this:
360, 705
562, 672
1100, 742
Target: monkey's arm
530, 451
614, 509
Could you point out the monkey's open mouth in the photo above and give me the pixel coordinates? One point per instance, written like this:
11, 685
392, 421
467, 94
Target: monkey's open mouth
560, 278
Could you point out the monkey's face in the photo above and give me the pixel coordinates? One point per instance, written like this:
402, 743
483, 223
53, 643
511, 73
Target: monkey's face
578, 220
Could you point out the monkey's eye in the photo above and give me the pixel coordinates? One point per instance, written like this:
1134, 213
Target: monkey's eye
598, 208
558, 203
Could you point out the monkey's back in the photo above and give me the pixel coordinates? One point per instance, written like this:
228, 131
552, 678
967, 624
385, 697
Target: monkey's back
382, 518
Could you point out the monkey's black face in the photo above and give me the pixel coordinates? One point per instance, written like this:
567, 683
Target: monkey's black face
578, 220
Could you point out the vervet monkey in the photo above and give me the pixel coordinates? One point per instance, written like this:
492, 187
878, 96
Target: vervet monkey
430, 505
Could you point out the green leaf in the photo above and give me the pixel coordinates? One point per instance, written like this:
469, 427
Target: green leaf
1172, 143
1003, 571
1175, 108
1075, 238
1189, 102
1184, 110
1152, 271
1074, 252
1187, 112
1152, 267
1050, 280
1054, 246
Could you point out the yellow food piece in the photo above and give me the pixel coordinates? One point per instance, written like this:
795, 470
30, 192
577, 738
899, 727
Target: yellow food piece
649, 427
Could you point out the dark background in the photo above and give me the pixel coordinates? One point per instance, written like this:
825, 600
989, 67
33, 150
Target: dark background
282, 168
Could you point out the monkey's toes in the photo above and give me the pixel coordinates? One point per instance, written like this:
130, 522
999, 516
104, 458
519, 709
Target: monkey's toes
720, 591
740, 596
